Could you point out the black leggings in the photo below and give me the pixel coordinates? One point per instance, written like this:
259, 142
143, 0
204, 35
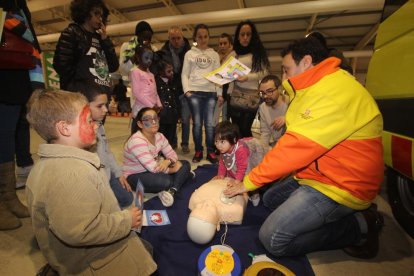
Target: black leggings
157, 182
244, 120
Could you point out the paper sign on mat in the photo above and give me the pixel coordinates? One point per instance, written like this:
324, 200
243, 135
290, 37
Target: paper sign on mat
155, 218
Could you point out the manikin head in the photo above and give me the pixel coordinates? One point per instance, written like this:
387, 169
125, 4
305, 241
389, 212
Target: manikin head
203, 222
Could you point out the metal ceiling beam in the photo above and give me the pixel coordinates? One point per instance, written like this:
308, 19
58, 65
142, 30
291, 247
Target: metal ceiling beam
273, 11
311, 23
174, 10
117, 14
60, 14
347, 54
368, 37
240, 4
41, 28
41, 5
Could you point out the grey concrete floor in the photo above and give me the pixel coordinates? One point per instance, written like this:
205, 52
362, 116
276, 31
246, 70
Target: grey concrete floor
19, 254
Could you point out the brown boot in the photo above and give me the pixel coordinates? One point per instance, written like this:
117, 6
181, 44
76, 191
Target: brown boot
8, 191
8, 220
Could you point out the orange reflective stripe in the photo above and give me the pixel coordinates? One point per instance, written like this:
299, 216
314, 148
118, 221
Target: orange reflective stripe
313, 75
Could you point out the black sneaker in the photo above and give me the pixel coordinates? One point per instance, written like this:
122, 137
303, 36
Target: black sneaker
369, 248
197, 156
212, 157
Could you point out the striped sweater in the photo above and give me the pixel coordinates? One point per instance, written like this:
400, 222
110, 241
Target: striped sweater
142, 156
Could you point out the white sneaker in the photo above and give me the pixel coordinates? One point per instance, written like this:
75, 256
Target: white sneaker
21, 175
255, 199
166, 198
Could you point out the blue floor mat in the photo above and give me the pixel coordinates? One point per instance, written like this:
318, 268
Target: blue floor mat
177, 255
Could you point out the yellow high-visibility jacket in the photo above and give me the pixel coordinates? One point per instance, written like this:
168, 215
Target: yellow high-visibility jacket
333, 138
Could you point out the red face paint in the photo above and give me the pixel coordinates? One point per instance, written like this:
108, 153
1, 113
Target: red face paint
86, 126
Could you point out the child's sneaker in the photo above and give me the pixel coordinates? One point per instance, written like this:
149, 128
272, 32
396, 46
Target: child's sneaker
198, 156
255, 199
21, 175
167, 197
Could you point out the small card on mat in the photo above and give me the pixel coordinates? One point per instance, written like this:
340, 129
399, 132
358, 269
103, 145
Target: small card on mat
155, 218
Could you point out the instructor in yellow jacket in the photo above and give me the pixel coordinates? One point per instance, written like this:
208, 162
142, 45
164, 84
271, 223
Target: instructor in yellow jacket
328, 167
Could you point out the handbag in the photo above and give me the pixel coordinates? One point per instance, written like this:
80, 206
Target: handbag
244, 98
15, 52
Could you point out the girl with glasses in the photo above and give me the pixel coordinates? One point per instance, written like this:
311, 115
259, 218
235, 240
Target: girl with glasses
149, 157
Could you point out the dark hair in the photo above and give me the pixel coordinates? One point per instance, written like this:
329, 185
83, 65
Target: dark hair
139, 50
141, 114
319, 37
273, 78
228, 36
89, 89
227, 131
260, 59
306, 46
161, 65
200, 26
80, 10
143, 26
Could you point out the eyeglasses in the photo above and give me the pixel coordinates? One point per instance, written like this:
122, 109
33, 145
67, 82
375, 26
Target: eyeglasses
268, 92
150, 119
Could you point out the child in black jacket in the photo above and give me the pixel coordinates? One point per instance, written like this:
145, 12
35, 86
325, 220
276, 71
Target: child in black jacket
168, 96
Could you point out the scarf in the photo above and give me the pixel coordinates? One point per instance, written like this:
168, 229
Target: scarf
243, 50
176, 58
17, 23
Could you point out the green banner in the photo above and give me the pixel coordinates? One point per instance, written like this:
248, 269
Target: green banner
51, 77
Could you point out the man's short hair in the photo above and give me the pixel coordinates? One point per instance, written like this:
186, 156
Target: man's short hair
228, 36
306, 46
48, 107
174, 28
89, 89
273, 78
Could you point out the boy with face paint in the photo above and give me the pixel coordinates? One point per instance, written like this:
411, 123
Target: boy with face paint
75, 216
143, 84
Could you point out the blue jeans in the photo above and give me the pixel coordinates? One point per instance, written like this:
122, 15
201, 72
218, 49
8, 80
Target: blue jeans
202, 106
305, 220
185, 120
124, 197
157, 182
9, 115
